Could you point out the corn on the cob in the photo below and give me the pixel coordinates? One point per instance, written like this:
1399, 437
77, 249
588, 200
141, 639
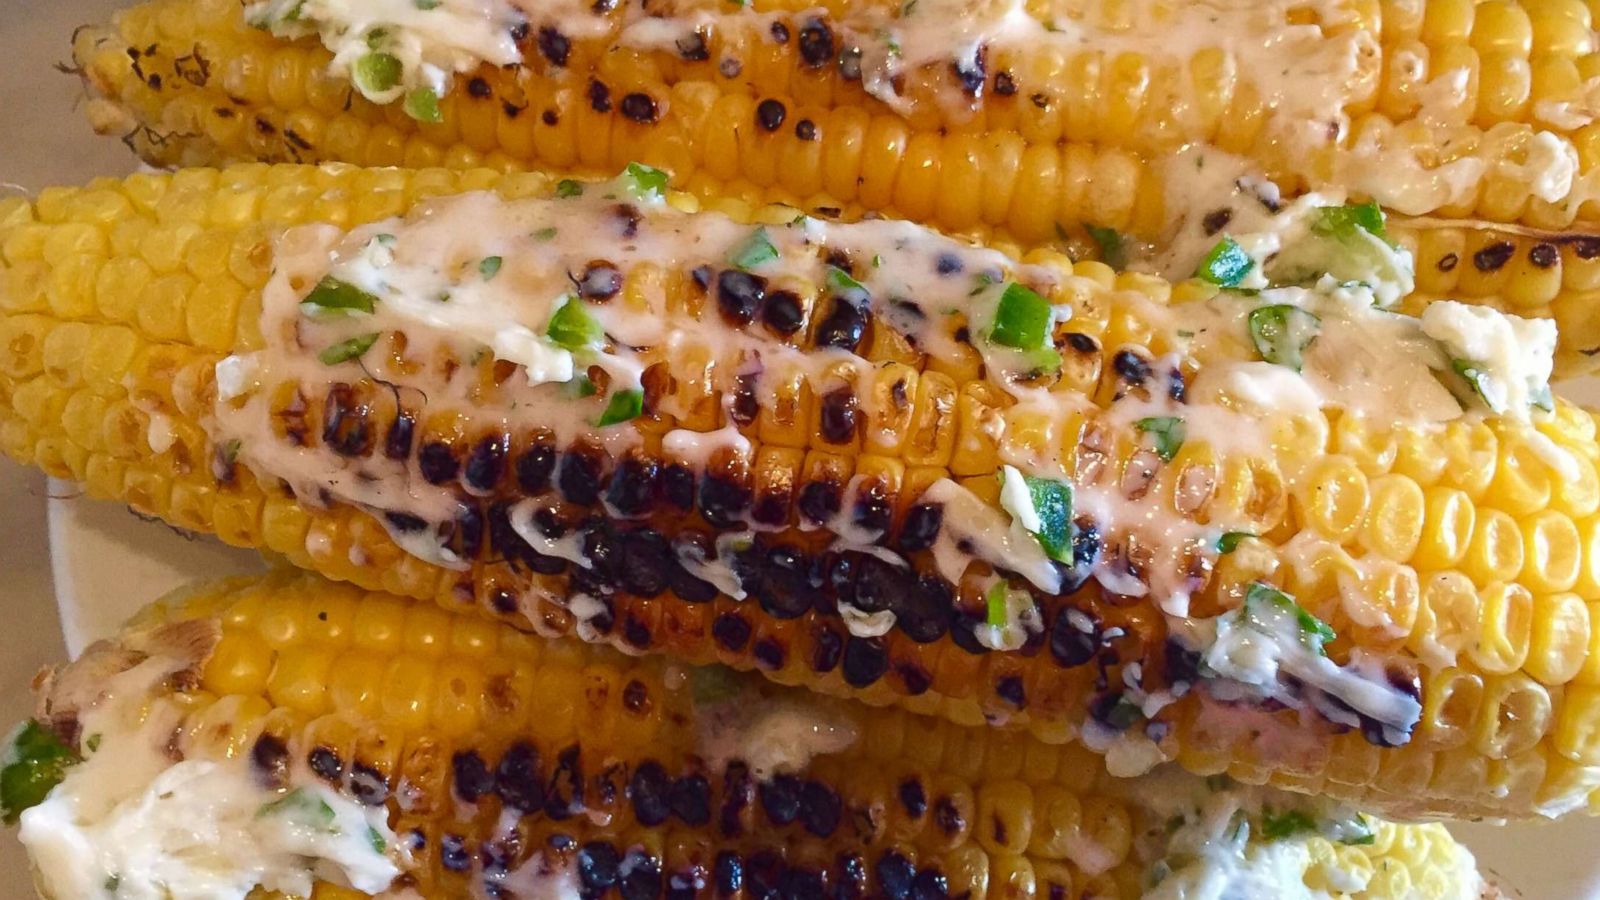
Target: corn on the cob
1174, 483
1057, 141
374, 743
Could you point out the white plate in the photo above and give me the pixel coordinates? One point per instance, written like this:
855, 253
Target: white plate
98, 550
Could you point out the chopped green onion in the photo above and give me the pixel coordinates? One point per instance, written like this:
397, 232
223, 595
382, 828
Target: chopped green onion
1229, 541
229, 453
1361, 834
753, 252
92, 743
1226, 265
1052, 503
376, 37
1341, 222
572, 328
710, 685
112, 883
1022, 319
422, 104
39, 762
1260, 597
567, 187
1282, 333
489, 267
302, 805
375, 838
1477, 378
981, 282
1123, 714
840, 280
623, 406
545, 234
376, 73
995, 612
344, 351
1286, 824
331, 295
1113, 246
1169, 432
645, 181
384, 240
877, 260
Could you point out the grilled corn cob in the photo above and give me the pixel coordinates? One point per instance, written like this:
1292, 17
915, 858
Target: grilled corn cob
1285, 536
314, 730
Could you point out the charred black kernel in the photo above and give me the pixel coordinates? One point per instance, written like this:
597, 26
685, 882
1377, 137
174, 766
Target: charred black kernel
816, 42
1495, 255
1082, 343
1177, 388
879, 585
270, 758
820, 501
1216, 220
850, 64
649, 789
465, 538
346, 429
646, 560
722, 500
628, 219
921, 526
865, 661
600, 281
635, 697
770, 114
728, 872
1585, 246
1040, 99
485, 463
369, 786
633, 486
783, 313
843, 328
780, 32
799, 883
963, 632
554, 46
677, 486
739, 295
768, 653
738, 793
962, 335
1544, 255
511, 545
685, 884
534, 468
730, 67
895, 875
782, 581
397, 443
518, 780
947, 816
763, 871
1074, 637
641, 876
805, 130
598, 863
437, 463
913, 799
873, 510
971, 72
701, 275
690, 799
820, 808
471, 778
325, 763
916, 679
746, 403
930, 884
635, 632
1448, 262
453, 855
780, 798
550, 117
1113, 711
1179, 663
849, 877
948, 264
692, 47
640, 108
827, 649
578, 476
688, 588
771, 508
599, 96
731, 631
478, 89
1133, 368
563, 796
1005, 84
838, 415
1009, 688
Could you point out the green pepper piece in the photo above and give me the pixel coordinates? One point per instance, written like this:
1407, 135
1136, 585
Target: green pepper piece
344, 351
623, 406
1282, 333
1052, 503
1226, 264
40, 761
1022, 319
334, 296
572, 328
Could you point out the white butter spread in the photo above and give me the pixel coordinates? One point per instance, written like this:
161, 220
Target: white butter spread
1510, 357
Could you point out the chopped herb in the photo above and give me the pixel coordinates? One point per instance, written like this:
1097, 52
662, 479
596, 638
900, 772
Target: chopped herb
567, 187
1359, 833
1052, 503
422, 104
710, 685
1229, 541
907, 7
1221, 782
39, 762
344, 351
426, 5
1282, 333
93, 742
1226, 265
1341, 222
1168, 431
1113, 246
1123, 714
376, 73
384, 240
644, 181
1239, 832
230, 455
1261, 598
1185, 333
112, 883
982, 282
877, 261
489, 267
333, 295
572, 328
1022, 319
1477, 378
995, 613
840, 280
376, 37
545, 234
375, 839
753, 252
623, 406
579, 388
1277, 826
302, 805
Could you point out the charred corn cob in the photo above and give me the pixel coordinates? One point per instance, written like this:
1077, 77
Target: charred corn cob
1282, 535
314, 731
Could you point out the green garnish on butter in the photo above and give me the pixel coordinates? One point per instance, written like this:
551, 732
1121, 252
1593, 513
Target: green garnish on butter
1022, 320
1168, 432
1226, 264
1262, 602
302, 806
1282, 333
572, 328
422, 104
334, 296
644, 182
753, 252
38, 762
344, 351
623, 406
376, 73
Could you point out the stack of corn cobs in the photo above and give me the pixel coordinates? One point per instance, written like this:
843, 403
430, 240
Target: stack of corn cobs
913, 449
